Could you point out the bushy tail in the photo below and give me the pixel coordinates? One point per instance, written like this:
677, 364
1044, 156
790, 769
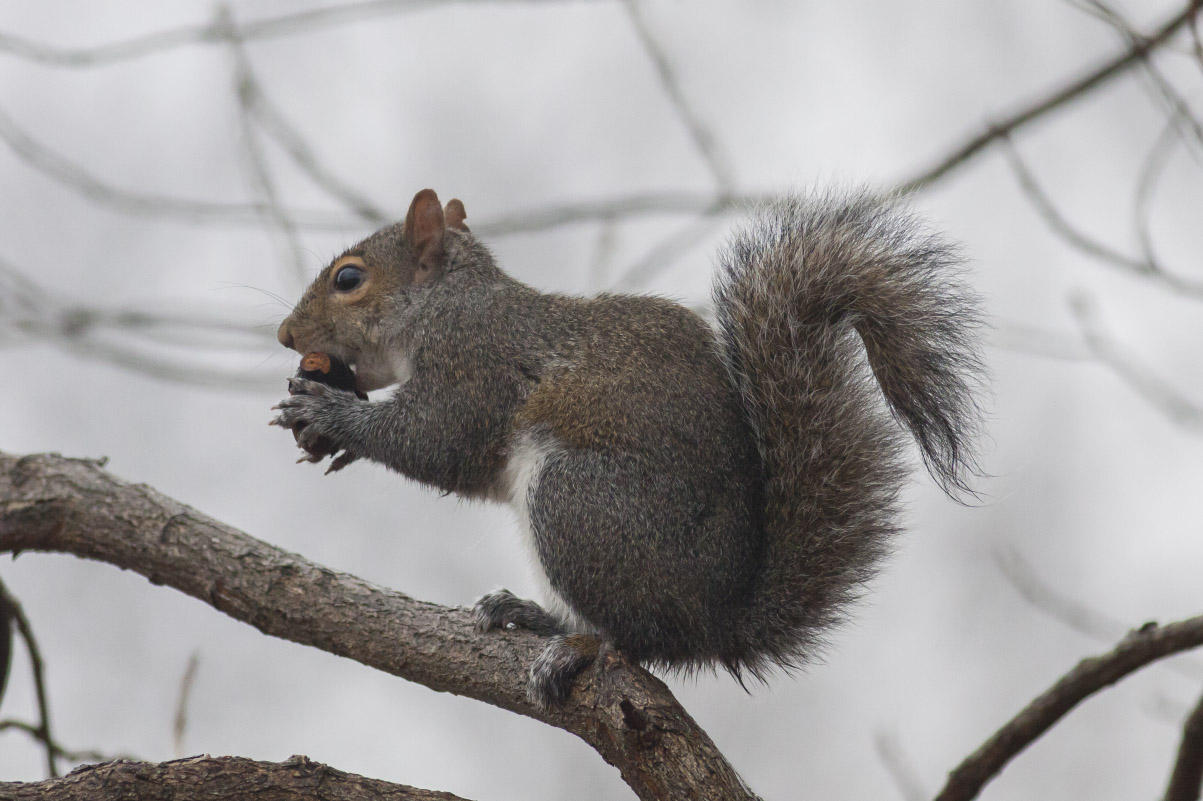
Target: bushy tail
825, 304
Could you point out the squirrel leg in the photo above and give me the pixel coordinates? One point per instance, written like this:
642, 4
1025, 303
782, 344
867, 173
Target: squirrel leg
553, 671
502, 610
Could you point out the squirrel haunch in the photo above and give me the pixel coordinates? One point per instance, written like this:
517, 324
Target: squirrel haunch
695, 495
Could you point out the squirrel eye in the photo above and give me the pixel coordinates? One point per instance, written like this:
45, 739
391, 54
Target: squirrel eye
348, 278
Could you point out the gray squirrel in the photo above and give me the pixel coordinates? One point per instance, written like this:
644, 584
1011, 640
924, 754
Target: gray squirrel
694, 495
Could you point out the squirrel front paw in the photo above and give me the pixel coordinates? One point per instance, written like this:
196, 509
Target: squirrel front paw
315, 413
504, 610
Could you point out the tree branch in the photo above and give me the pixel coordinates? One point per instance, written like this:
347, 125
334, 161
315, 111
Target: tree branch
1187, 777
1137, 51
51, 503
37, 666
207, 778
1142, 646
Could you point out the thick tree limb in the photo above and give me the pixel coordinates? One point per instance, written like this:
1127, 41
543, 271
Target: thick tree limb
208, 778
51, 503
1142, 646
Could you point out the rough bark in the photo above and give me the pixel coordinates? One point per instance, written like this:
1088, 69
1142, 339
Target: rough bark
207, 778
57, 504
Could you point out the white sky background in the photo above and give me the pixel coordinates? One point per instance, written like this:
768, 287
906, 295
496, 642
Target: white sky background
514, 106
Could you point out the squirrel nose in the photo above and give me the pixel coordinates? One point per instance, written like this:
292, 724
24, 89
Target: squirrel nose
285, 336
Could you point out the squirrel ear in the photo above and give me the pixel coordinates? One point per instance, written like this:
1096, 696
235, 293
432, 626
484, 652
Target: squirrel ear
424, 228
455, 214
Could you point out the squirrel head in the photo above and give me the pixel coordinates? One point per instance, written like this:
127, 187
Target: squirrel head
354, 310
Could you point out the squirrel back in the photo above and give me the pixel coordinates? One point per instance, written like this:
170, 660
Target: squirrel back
825, 304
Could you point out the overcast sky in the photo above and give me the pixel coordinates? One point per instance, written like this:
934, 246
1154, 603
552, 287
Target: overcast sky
126, 181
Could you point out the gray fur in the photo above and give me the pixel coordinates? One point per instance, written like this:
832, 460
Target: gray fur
700, 500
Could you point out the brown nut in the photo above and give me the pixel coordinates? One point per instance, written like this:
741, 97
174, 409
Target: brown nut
325, 369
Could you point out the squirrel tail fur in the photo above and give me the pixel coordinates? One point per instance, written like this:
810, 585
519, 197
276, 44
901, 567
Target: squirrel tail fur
825, 304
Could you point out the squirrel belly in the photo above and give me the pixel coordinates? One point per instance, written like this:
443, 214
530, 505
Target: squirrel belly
698, 495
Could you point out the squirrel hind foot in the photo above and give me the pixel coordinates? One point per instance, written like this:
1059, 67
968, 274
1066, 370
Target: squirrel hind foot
556, 668
504, 610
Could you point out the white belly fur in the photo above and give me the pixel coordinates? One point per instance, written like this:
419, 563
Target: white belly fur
521, 478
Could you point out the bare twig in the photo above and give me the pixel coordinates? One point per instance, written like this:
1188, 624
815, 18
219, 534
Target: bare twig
278, 127
1150, 174
201, 212
7, 635
246, 88
1165, 398
1052, 100
1039, 594
131, 338
74, 757
1058, 222
703, 138
603, 256
1187, 777
1196, 41
890, 752
206, 778
1141, 647
664, 254
38, 668
61, 169
622, 207
1069, 611
179, 724
1037, 341
1162, 89
171, 38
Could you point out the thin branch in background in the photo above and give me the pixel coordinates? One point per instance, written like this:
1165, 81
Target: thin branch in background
179, 724
1160, 87
75, 757
1162, 707
1036, 341
38, 668
1039, 594
703, 138
603, 256
1196, 41
898, 765
1057, 97
1141, 647
7, 635
172, 38
201, 212
36, 314
245, 86
1069, 611
1143, 267
1058, 222
664, 254
73, 176
278, 127
622, 207
1150, 174
1187, 776
1180, 410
